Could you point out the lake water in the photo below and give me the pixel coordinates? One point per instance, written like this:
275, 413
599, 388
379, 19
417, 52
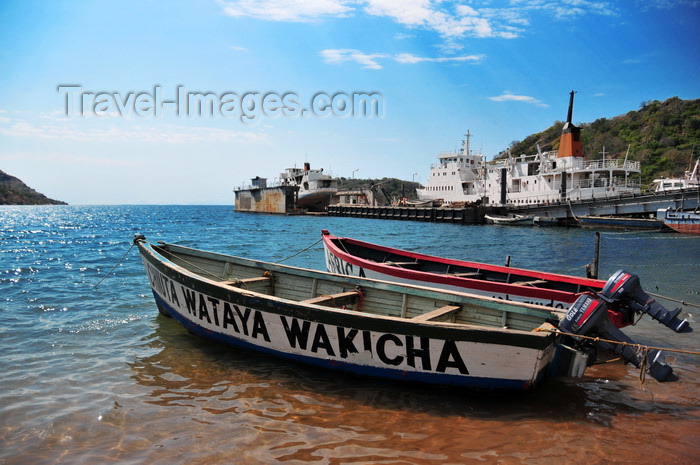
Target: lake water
94, 375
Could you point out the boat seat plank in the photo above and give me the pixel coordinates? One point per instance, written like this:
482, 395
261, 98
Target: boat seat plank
334, 300
470, 274
534, 282
438, 313
401, 263
246, 281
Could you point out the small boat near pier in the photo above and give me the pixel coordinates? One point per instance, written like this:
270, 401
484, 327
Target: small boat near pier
511, 219
619, 222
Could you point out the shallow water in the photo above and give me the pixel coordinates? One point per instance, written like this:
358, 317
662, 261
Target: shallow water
95, 375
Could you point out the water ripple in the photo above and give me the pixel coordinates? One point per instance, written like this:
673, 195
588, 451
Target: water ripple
94, 375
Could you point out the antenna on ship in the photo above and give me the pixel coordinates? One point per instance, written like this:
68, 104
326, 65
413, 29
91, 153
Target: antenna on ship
468, 136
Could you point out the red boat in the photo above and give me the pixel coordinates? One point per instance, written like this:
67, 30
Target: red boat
357, 258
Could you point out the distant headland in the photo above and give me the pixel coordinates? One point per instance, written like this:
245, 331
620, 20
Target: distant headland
14, 192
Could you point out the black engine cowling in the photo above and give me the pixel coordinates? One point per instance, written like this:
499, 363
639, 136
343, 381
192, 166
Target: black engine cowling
588, 316
623, 289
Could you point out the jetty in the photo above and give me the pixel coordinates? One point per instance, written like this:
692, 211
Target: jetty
464, 215
565, 211
637, 205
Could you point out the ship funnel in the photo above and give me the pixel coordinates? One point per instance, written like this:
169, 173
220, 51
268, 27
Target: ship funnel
307, 166
570, 141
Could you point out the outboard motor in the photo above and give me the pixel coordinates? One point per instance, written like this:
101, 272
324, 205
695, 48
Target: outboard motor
589, 316
624, 290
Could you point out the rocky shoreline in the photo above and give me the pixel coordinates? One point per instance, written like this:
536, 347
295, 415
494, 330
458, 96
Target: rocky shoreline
15, 192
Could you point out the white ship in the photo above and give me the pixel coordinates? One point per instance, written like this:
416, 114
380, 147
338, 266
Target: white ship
316, 189
688, 181
464, 176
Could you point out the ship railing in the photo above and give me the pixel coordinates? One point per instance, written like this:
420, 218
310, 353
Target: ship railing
574, 194
579, 190
621, 182
273, 183
612, 164
631, 183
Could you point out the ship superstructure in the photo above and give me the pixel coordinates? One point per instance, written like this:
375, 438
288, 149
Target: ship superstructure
316, 189
544, 177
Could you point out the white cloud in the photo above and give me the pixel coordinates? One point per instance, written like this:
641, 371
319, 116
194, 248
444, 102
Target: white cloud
409, 58
646, 5
371, 61
456, 22
286, 10
170, 134
341, 55
449, 19
508, 97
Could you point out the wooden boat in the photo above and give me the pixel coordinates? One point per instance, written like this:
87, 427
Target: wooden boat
683, 222
510, 219
358, 258
598, 308
357, 325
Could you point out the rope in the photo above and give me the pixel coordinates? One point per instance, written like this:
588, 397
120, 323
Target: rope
612, 360
572, 211
682, 302
237, 283
172, 255
643, 366
638, 346
117, 264
304, 250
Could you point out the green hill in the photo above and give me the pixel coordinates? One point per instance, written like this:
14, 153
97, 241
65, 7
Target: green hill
663, 136
392, 186
15, 192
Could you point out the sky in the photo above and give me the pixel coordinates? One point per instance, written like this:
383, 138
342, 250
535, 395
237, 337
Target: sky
179, 102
